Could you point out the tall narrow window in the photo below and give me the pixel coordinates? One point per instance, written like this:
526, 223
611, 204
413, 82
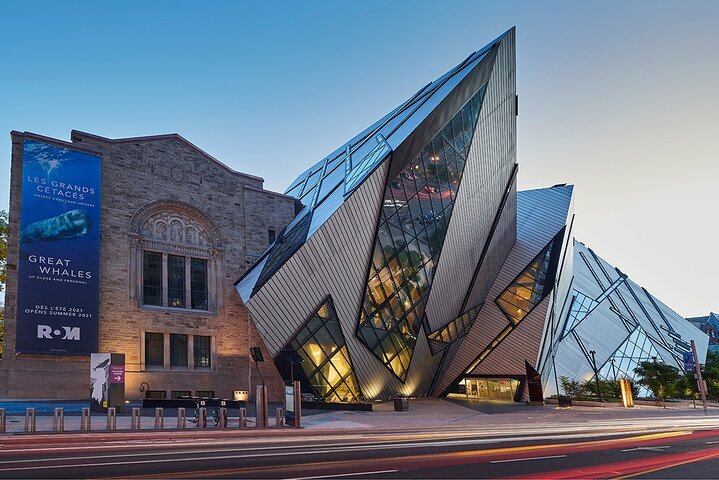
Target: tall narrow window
175, 281
152, 278
202, 351
178, 350
154, 349
198, 284
271, 236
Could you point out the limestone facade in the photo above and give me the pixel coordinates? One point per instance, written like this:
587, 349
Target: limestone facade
160, 194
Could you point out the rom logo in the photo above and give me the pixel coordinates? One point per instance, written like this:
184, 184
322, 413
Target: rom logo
62, 333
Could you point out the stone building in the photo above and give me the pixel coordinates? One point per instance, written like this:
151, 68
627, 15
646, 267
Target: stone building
177, 227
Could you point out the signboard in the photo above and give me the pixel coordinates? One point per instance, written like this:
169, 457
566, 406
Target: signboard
107, 381
117, 373
688, 361
289, 398
59, 251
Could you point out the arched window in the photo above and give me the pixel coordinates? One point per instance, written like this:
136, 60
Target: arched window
174, 258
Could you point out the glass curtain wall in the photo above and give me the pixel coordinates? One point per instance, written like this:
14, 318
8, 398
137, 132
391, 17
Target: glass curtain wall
325, 359
637, 348
453, 331
416, 212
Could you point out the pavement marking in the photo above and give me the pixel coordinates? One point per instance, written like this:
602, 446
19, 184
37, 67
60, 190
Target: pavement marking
527, 458
652, 449
712, 443
664, 467
343, 475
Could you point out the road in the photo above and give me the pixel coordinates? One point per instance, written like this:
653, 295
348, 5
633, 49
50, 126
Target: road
659, 449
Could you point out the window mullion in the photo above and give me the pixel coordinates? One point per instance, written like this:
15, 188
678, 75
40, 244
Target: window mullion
188, 283
164, 279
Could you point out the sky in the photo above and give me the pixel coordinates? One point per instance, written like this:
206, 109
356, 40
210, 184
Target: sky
618, 98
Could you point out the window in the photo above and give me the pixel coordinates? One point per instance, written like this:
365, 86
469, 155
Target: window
180, 394
271, 236
152, 278
416, 211
175, 281
178, 350
325, 358
156, 394
198, 284
205, 393
202, 351
178, 278
154, 349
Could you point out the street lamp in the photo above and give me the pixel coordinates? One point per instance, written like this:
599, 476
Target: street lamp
596, 374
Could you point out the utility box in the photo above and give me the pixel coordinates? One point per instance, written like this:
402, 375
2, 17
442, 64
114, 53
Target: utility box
107, 381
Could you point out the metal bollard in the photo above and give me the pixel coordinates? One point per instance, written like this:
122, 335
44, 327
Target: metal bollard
202, 418
3, 422
181, 419
279, 418
159, 418
58, 421
29, 420
135, 422
111, 419
223, 417
243, 417
85, 425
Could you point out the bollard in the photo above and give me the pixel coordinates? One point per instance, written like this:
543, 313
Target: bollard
159, 418
223, 417
135, 421
3, 422
202, 417
29, 420
181, 420
261, 411
243, 417
85, 425
279, 418
58, 421
111, 419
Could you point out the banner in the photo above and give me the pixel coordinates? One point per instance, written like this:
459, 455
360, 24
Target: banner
59, 258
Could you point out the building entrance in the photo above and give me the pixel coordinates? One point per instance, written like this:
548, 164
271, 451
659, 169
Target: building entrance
491, 388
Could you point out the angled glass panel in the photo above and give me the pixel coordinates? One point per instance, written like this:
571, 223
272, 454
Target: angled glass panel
415, 215
325, 359
583, 305
453, 331
528, 289
637, 348
357, 173
283, 248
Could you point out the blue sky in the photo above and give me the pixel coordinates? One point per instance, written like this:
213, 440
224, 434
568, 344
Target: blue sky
617, 98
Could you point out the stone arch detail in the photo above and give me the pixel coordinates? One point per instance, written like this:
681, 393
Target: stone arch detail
176, 222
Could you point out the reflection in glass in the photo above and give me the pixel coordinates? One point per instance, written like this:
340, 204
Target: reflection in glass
325, 359
412, 227
637, 348
453, 331
527, 290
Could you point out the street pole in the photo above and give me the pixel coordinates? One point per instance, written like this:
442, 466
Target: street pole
596, 374
700, 380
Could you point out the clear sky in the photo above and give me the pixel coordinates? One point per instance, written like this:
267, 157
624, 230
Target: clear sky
618, 98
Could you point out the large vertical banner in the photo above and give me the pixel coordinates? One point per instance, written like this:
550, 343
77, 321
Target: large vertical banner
59, 261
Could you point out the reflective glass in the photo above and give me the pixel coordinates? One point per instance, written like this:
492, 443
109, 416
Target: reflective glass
637, 348
453, 331
416, 212
326, 363
527, 290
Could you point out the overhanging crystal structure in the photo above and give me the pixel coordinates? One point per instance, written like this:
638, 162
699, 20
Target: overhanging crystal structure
414, 266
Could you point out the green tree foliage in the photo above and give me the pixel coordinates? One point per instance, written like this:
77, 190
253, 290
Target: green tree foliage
711, 374
662, 379
571, 388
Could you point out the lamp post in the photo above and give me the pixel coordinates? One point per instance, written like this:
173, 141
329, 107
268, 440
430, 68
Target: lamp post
596, 374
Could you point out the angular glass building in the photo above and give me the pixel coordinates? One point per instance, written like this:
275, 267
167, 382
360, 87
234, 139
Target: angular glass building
415, 267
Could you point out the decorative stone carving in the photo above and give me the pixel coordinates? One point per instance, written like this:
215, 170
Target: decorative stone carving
187, 225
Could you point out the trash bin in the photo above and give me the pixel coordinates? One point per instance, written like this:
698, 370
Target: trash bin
565, 401
401, 404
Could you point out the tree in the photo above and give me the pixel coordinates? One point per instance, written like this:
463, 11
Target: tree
711, 373
660, 378
571, 388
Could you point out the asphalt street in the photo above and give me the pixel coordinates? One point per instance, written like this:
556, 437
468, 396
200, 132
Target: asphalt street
658, 450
